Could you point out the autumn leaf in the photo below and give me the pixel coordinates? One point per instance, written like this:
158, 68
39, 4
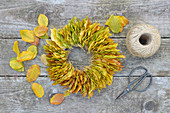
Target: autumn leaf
15, 48
116, 23
18, 66
40, 30
43, 20
45, 36
20, 70
25, 55
55, 38
33, 73
67, 93
124, 21
36, 41
33, 49
38, 90
57, 99
43, 59
27, 35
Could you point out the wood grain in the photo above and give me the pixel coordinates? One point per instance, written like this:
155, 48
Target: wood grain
16, 96
21, 14
15, 92
158, 64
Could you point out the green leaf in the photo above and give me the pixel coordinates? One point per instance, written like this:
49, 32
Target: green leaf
114, 24
33, 49
18, 66
45, 36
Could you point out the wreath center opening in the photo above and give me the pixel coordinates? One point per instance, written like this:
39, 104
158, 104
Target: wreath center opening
79, 58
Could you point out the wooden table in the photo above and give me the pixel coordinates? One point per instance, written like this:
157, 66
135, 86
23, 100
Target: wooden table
15, 92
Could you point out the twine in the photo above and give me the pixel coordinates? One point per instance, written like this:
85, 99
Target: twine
143, 40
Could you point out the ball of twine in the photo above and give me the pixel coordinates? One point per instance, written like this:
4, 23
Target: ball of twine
143, 40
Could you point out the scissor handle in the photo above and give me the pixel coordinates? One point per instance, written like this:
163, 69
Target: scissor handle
140, 79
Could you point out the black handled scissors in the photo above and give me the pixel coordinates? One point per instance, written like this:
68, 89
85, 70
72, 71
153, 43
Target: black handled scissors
139, 80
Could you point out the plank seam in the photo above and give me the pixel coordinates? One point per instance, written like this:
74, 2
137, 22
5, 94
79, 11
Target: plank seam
50, 38
47, 76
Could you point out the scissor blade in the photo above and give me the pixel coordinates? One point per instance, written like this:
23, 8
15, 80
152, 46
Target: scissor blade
121, 94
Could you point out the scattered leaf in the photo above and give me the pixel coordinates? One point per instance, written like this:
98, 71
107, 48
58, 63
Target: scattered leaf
20, 70
27, 35
43, 59
33, 49
124, 21
38, 90
40, 30
25, 55
45, 36
15, 48
36, 41
43, 20
33, 73
18, 66
67, 93
116, 23
57, 99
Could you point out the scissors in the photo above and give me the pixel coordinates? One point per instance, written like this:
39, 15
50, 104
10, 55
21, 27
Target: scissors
138, 80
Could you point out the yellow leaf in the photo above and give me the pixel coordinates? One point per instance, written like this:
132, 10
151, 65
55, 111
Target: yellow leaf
67, 93
27, 35
33, 49
15, 48
33, 73
43, 59
18, 66
36, 41
38, 90
20, 70
40, 30
116, 23
57, 99
25, 55
55, 39
43, 20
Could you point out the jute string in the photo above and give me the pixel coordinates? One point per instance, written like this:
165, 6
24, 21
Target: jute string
143, 40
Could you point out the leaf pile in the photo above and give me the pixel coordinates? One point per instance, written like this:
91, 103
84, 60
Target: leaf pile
95, 39
16, 62
31, 36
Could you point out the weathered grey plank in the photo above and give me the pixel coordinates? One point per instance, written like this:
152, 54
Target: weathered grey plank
16, 96
21, 14
158, 64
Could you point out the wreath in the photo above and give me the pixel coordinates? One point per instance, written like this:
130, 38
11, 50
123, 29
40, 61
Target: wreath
91, 37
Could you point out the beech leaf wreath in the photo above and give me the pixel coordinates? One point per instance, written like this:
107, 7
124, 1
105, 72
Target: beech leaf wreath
86, 35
